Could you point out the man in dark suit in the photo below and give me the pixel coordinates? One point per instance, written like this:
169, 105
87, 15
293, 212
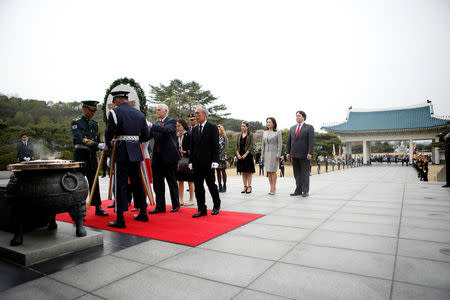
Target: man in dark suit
128, 127
164, 159
25, 150
299, 149
203, 160
447, 156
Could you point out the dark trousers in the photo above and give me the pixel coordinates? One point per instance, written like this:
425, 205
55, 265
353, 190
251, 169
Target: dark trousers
301, 168
447, 165
208, 177
160, 172
124, 171
90, 168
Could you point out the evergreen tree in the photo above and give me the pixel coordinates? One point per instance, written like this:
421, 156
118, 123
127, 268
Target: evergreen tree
182, 98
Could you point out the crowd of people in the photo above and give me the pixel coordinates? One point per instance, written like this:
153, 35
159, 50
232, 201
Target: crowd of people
194, 153
420, 163
388, 159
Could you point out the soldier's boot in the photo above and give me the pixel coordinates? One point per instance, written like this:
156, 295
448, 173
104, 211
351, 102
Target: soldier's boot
18, 236
80, 228
52, 223
119, 222
100, 212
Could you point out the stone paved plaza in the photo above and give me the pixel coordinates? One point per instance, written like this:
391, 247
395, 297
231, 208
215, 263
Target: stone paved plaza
364, 233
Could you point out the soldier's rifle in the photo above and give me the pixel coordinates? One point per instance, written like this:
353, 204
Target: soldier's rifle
96, 178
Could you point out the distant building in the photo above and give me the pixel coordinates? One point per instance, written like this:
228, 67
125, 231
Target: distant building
391, 124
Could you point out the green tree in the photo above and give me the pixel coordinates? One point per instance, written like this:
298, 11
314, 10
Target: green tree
323, 144
181, 98
357, 149
23, 118
440, 135
382, 147
235, 125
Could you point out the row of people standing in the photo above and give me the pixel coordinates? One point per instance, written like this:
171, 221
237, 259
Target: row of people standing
126, 129
270, 154
175, 141
184, 133
299, 149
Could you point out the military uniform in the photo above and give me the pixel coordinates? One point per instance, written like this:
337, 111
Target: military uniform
128, 127
86, 138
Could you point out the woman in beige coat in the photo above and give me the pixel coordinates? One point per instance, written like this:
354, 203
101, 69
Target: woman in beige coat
271, 152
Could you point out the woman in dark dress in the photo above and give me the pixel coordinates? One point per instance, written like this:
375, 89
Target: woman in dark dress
183, 145
244, 153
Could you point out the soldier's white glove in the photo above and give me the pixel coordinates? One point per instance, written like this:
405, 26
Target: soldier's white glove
190, 166
101, 146
108, 162
214, 165
149, 124
26, 158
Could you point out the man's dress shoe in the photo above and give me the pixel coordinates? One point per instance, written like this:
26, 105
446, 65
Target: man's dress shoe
215, 211
141, 217
100, 212
117, 224
305, 194
175, 209
156, 211
199, 214
295, 194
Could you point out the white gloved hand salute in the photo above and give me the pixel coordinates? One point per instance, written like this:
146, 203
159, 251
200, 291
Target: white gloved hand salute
101, 146
190, 166
214, 165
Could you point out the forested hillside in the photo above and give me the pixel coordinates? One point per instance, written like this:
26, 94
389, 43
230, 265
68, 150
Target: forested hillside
47, 125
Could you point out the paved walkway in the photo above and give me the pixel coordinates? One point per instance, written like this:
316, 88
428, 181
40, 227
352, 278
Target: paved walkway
364, 233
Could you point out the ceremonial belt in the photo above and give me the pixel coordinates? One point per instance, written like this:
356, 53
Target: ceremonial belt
79, 146
128, 138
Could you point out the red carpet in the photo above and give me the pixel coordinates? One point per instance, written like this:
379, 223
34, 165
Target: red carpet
177, 227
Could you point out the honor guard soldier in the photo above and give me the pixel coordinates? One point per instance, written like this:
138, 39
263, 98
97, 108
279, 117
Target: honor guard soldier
126, 130
86, 138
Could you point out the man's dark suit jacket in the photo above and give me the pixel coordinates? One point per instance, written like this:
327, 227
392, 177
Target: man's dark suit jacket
165, 142
24, 151
204, 147
301, 146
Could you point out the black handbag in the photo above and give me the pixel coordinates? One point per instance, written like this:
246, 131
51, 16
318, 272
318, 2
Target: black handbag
183, 166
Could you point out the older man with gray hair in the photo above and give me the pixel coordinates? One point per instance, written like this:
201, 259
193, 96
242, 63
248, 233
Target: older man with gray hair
164, 159
203, 160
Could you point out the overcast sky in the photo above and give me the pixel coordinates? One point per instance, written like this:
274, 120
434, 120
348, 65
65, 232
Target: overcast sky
260, 58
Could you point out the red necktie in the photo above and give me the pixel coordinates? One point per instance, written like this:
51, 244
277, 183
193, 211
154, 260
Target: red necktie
296, 133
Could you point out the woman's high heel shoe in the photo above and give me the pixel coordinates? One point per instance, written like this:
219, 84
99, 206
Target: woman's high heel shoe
249, 189
245, 190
